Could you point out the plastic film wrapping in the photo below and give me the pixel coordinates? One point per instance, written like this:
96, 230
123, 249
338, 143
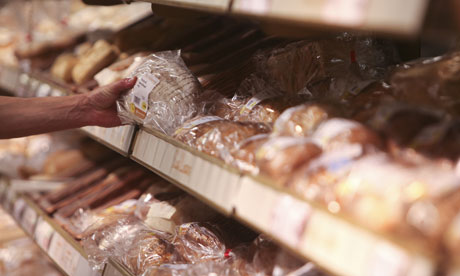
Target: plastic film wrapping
216, 136
165, 94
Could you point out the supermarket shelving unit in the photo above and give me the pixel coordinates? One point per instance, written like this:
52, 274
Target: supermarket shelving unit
334, 242
312, 232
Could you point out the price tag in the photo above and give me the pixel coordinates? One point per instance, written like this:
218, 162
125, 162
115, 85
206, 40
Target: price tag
29, 218
64, 254
43, 233
181, 166
140, 94
289, 219
43, 90
348, 12
19, 206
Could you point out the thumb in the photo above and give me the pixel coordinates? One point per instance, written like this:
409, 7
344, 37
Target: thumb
120, 86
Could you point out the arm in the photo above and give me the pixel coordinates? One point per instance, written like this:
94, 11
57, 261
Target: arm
28, 116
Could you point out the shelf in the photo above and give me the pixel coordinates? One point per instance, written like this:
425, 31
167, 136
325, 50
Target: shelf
61, 248
312, 232
332, 242
118, 139
391, 17
203, 5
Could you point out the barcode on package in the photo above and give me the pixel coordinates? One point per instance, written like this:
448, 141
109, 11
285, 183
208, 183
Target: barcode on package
137, 100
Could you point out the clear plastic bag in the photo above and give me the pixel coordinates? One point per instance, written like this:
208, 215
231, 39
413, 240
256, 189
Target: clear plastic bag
431, 82
23, 257
279, 157
254, 101
337, 132
199, 242
166, 215
165, 94
216, 136
244, 157
302, 120
149, 248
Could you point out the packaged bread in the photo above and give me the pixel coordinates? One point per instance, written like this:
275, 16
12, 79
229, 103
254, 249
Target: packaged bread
255, 101
244, 157
166, 215
401, 123
337, 132
165, 95
147, 249
199, 242
217, 137
281, 156
429, 82
302, 120
91, 62
63, 66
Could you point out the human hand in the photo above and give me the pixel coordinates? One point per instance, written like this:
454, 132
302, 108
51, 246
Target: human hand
101, 103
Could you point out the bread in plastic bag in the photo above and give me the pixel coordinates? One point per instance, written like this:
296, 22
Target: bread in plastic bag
165, 94
302, 120
23, 257
199, 242
244, 157
254, 101
337, 132
281, 156
166, 215
431, 82
148, 248
216, 136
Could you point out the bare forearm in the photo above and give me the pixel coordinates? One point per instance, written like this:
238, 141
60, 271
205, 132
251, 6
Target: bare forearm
28, 116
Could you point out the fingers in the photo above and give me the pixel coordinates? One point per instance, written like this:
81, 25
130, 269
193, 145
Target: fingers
121, 86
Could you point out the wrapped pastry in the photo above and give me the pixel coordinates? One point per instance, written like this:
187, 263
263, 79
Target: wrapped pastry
302, 120
166, 215
165, 95
401, 123
147, 249
216, 136
244, 157
254, 101
199, 242
337, 132
280, 156
429, 82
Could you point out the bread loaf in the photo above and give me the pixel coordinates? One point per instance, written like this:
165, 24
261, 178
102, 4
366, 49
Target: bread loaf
148, 249
99, 56
165, 95
279, 157
198, 242
63, 66
244, 157
302, 120
218, 137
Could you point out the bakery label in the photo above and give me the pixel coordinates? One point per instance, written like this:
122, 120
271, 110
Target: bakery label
257, 98
140, 95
